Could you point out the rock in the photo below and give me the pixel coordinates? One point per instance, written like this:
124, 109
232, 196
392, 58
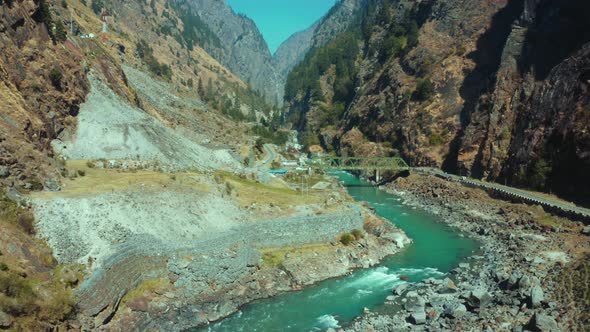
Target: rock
544, 323
5, 320
447, 287
16, 196
400, 289
455, 310
418, 318
479, 298
585, 231
4, 172
432, 281
414, 302
524, 282
52, 185
535, 297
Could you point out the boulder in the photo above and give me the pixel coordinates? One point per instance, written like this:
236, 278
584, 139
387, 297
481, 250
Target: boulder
4, 172
524, 282
400, 289
479, 298
5, 320
414, 302
543, 323
52, 185
454, 310
535, 297
447, 287
418, 318
586, 229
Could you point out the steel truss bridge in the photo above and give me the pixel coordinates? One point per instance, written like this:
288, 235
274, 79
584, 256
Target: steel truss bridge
358, 164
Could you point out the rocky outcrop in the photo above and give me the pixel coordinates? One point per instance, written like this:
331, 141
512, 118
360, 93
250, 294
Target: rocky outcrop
238, 45
528, 128
338, 20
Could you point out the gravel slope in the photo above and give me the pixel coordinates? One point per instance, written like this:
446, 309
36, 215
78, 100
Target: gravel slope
111, 128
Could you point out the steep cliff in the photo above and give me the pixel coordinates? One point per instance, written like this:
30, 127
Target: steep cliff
293, 50
235, 42
493, 89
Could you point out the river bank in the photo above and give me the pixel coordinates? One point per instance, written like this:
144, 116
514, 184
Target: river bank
179, 251
515, 285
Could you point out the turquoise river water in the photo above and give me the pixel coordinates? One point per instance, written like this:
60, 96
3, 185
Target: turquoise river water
332, 303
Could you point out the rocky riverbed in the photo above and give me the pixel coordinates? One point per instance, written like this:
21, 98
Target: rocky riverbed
515, 284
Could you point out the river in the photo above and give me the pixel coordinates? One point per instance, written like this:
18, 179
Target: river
332, 303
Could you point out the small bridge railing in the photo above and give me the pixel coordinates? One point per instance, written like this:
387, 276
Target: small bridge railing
359, 163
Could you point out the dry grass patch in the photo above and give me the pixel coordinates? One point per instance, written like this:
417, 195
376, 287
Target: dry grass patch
96, 181
248, 192
275, 256
145, 288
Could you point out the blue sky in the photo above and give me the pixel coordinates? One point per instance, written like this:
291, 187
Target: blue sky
279, 19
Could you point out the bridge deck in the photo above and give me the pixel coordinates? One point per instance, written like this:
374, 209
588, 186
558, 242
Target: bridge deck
359, 163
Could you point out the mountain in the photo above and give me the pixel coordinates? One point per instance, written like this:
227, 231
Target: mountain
496, 90
293, 50
232, 39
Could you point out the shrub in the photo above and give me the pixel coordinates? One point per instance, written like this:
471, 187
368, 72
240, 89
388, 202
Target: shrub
436, 139
3, 267
26, 221
55, 76
346, 238
36, 186
357, 233
81, 172
424, 89
539, 174
64, 4
90, 164
60, 31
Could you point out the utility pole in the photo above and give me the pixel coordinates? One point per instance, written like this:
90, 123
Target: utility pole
104, 25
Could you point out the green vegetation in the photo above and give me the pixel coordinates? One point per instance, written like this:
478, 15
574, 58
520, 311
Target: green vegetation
268, 135
196, 31
402, 36
98, 5
347, 238
424, 90
36, 302
44, 15
273, 259
357, 233
146, 53
55, 76
436, 139
539, 174
336, 64
342, 53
